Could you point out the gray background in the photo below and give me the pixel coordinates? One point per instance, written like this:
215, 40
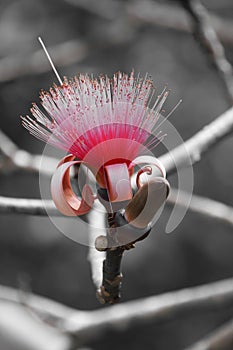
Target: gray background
199, 250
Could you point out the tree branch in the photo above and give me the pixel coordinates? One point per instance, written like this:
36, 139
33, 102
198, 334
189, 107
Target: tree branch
45, 308
201, 205
121, 236
16, 158
21, 326
91, 324
153, 309
199, 143
174, 17
208, 39
221, 338
20, 330
13, 67
167, 16
158, 14
204, 206
27, 206
109, 291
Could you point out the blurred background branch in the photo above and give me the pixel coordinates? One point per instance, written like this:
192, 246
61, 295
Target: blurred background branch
201, 205
13, 67
136, 13
207, 207
26, 206
198, 144
221, 338
171, 16
14, 158
93, 324
206, 36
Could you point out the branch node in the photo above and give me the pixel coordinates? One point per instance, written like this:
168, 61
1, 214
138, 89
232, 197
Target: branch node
101, 243
116, 281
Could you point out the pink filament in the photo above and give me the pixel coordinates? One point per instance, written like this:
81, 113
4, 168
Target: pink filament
86, 112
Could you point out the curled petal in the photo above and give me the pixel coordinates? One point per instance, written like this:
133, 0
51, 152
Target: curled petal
150, 161
63, 195
118, 182
68, 158
147, 170
151, 165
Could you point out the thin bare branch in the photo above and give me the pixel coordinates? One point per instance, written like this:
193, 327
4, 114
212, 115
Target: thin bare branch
198, 144
21, 326
20, 330
208, 39
174, 17
152, 309
221, 338
28, 206
167, 16
203, 206
90, 324
43, 307
64, 54
200, 205
16, 158
152, 12
109, 291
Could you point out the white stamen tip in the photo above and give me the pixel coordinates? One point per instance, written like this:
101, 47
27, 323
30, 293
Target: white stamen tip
50, 60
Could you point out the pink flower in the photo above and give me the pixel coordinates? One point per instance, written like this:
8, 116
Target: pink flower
106, 124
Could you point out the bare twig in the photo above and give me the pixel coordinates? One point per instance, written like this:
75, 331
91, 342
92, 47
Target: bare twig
13, 67
208, 39
20, 330
203, 206
15, 158
64, 54
221, 338
121, 236
159, 14
89, 324
109, 291
45, 308
27, 206
174, 17
198, 144
21, 326
155, 308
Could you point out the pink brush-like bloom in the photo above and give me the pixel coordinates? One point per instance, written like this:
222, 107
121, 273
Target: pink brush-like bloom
105, 123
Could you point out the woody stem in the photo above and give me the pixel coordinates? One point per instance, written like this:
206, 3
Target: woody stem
109, 292
122, 235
